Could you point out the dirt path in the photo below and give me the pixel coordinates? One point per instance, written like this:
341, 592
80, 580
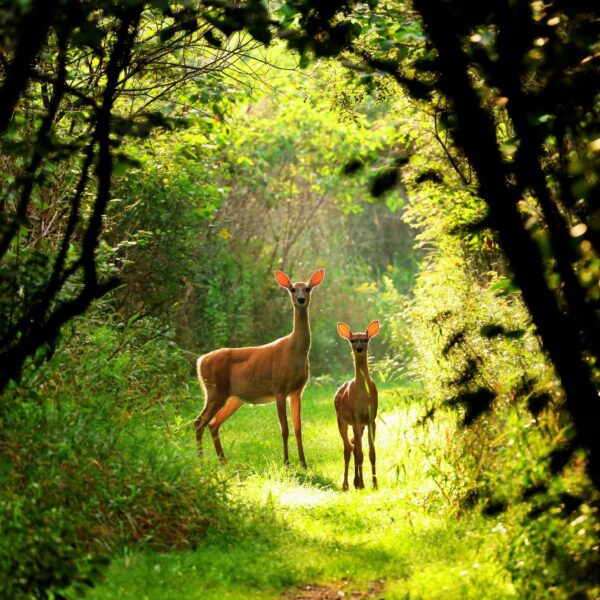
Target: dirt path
341, 589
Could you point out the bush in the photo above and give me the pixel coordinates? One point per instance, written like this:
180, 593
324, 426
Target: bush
476, 352
553, 546
89, 466
40, 551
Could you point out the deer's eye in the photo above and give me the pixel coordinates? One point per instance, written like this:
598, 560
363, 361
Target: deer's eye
293, 290
307, 289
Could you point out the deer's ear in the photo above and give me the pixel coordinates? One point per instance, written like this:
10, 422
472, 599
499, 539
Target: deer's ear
373, 329
344, 331
283, 280
317, 277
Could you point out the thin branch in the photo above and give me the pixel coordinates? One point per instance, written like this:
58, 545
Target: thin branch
42, 140
444, 146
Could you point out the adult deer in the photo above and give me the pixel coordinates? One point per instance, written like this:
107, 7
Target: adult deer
231, 377
356, 405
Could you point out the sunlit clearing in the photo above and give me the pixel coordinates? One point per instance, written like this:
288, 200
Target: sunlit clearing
298, 496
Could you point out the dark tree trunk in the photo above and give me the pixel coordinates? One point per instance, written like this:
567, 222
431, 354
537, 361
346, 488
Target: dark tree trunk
474, 132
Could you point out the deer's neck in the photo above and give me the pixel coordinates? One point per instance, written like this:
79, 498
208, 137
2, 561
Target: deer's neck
301, 333
361, 369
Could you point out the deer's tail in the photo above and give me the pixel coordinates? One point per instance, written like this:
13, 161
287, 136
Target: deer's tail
200, 377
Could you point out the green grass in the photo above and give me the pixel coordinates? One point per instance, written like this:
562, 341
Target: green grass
296, 527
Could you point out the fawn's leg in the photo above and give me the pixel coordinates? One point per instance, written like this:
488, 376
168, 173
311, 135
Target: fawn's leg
230, 406
280, 399
295, 403
371, 433
343, 427
359, 484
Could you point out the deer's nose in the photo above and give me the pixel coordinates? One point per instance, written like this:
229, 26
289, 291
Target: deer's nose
300, 300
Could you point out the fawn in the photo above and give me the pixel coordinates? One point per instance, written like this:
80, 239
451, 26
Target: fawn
231, 377
356, 405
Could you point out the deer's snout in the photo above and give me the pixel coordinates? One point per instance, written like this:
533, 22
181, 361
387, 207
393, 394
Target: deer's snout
359, 346
301, 299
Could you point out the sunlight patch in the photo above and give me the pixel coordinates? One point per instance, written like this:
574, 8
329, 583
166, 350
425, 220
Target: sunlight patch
298, 496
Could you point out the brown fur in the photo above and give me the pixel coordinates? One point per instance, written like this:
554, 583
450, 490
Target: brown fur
356, 403
231, 377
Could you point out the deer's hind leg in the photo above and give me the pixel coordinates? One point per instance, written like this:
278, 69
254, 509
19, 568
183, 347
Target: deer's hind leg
214, 402
231, 405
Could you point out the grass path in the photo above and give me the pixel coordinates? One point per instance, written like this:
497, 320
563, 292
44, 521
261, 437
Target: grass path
297, 529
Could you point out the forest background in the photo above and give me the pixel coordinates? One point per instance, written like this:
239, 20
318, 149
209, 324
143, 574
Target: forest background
160, 160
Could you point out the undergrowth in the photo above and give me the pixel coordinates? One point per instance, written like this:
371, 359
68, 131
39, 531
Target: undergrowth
98, 465
86, 471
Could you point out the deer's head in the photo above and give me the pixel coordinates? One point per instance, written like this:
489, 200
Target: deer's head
300, 292
358, 341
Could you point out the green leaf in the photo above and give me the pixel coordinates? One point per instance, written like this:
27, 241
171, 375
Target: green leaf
504, 287
304, 60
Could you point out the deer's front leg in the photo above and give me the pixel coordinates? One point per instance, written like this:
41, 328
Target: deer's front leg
343, 427
295, 404
359, 484
371, 433
283, 422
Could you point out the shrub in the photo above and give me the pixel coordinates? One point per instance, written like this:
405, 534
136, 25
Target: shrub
88, 465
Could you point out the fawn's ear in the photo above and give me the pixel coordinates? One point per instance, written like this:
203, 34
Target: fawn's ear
344, 330
283, 280
317, 277
373, 329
